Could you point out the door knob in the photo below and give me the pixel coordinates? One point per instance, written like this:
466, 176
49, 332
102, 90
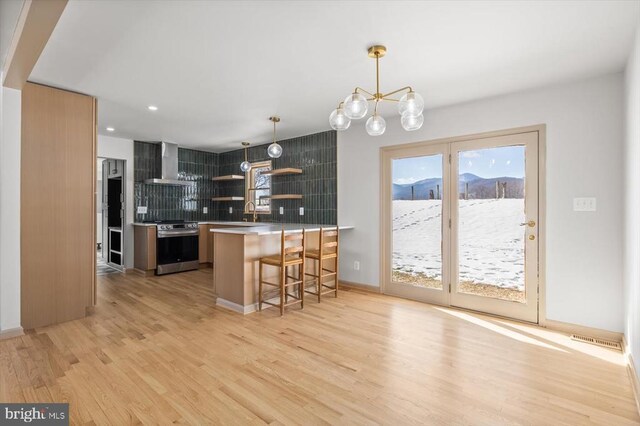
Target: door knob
531, 223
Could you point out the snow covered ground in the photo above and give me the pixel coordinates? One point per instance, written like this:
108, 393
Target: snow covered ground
491, 240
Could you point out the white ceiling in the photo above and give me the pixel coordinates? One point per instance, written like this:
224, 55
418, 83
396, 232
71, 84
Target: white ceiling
218, 70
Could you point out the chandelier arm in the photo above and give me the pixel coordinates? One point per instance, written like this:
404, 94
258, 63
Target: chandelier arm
390, 99
398, 91
360, 89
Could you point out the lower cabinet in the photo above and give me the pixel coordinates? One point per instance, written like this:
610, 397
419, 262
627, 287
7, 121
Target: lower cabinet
206, 243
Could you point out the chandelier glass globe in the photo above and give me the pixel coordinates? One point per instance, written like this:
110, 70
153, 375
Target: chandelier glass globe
355, 106
376, 125
411, 122
338, 120
245, 166
411, 103
274, 150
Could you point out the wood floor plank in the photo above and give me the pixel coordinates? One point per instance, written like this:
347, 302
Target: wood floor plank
157, 350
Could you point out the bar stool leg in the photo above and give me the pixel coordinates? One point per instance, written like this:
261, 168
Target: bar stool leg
301, 283
319, 278
283, 289
260, 287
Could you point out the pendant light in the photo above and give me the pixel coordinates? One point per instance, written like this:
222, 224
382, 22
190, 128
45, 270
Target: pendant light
274, 150
356, 105
245, 166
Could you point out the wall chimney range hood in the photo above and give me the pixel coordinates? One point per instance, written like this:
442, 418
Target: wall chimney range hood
169, 167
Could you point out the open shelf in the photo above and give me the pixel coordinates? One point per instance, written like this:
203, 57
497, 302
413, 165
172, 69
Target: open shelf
285, 171
227, 199
285, 197
228, 177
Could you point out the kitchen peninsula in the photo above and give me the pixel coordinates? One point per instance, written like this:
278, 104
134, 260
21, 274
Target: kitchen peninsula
236, 252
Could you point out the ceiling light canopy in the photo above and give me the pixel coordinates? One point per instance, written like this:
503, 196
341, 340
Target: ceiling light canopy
152, 108
245, 166
274, 150
356, 105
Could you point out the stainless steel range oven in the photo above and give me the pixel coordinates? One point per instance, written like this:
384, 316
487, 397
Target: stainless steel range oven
177, 247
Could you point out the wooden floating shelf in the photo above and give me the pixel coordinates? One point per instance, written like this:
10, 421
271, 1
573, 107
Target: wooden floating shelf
284, 197
285, 171
228, 177
227, 199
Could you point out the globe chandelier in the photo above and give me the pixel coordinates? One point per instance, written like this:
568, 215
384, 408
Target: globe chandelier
356, 105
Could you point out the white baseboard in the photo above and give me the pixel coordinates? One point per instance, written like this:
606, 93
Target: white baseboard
244, 310
359, 286
633, 373
569, 328
11, 332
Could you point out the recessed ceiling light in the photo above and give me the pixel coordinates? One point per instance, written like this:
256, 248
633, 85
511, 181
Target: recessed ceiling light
110, 129
152, 108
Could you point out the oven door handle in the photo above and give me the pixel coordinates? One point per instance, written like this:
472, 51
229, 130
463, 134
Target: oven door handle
180, 233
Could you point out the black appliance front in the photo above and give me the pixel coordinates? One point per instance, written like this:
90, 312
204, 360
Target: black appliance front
177, 254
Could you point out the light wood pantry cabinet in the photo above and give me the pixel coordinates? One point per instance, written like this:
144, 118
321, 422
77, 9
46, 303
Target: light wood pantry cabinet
58, 205
144, 248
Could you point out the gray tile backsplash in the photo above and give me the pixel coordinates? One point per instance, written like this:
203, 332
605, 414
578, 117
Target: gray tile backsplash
314, 154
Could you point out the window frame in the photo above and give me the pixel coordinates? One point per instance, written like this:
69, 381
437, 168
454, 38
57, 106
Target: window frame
249, 187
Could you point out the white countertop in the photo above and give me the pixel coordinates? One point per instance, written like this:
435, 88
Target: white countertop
211, 222
273, 228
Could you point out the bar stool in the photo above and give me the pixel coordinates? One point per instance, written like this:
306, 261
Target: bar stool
289, 256
327, 250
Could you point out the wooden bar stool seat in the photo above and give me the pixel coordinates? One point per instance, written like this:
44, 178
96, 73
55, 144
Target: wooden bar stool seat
289, 257
327, 251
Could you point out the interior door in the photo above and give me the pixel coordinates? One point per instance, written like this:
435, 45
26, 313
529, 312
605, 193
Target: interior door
418, 215
105, 210
494, 238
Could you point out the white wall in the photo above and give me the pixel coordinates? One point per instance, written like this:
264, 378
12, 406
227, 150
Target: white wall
10, 122
584, 158
632, 204
122, 149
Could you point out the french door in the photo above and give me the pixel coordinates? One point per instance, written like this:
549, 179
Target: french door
461, 224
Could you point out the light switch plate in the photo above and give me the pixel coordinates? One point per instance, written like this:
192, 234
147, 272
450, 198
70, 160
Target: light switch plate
301, 211
356, 265
205, 210
142, 209
230, 210
281, 210
585, 204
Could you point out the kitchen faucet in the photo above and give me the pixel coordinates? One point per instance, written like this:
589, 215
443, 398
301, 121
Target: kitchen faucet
255, 213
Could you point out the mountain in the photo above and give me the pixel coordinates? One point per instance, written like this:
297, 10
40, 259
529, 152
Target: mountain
479, 188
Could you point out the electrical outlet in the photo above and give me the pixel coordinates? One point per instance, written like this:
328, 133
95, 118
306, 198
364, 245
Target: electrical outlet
142, 209
230, 210
281, 210
356, 265
205, 210
301, 211
584, 204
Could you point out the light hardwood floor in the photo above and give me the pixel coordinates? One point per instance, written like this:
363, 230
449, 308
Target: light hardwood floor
157, 350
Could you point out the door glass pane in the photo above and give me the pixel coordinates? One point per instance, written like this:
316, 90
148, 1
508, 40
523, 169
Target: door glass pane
491, 209
417, 221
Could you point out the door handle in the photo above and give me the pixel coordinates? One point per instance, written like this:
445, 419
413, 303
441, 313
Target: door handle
531, 223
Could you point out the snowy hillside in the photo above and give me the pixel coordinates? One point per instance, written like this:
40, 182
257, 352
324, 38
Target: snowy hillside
491, 240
